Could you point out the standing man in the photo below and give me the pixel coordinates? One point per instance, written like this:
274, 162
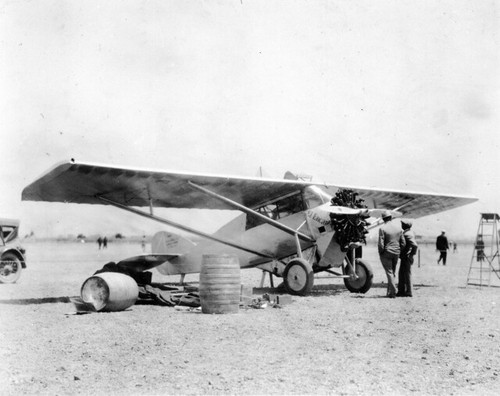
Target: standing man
390, 243
404, 285
480, 248
442, 246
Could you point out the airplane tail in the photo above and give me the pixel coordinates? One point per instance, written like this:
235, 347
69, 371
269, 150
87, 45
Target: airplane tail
169, 243
297, 176
172, 244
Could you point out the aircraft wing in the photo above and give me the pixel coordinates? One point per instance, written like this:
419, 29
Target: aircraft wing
82, 182
410, 204
76, 182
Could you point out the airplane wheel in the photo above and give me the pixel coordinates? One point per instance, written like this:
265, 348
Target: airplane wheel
298, 277
365, 278
10, 268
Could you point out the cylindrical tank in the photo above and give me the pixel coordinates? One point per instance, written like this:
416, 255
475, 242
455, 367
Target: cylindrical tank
110, 291
220, 284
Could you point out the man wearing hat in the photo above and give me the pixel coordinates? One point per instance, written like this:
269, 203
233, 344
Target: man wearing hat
390, 243
407, 253
442, 246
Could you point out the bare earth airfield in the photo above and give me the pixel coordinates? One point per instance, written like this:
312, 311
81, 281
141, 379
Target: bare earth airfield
444, 340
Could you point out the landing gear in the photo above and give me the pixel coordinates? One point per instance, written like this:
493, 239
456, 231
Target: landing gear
298, 277
10, 268
362, 280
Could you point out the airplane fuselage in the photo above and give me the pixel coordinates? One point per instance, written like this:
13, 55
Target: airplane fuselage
314, 222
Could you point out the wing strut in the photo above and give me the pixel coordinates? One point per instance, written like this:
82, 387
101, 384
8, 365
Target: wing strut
183, 227
251, 212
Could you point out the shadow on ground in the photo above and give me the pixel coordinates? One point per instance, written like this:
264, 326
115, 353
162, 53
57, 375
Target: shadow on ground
328, 290
34, 301
317, 291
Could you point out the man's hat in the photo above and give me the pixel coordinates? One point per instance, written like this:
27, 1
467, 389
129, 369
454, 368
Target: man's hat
387, 215
405, 223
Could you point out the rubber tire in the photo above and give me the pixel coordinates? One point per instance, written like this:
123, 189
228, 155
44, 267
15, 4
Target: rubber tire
298, 277
14, 276
365, 280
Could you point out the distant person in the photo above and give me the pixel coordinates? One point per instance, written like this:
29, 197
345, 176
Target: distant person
390, 243
105, 242
480, 248
442, 246
99, 242
405, 288
454, 247
143, 243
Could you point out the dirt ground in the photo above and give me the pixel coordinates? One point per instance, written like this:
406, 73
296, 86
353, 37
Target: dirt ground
443, 341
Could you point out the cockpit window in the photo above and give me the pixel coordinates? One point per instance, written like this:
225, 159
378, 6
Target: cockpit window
315, 196
290, 205
277, 210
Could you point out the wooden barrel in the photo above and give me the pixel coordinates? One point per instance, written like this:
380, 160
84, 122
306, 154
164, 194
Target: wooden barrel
220, 284
110, 291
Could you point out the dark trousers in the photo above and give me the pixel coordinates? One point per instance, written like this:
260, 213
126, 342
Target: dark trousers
442, 256
404, 284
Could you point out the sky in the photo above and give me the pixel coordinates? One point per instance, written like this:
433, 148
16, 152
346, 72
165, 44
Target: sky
389, 94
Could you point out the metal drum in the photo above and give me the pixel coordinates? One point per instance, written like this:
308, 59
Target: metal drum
220, 284
110, 291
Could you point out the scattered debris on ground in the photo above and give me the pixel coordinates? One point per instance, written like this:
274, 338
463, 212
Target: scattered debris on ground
186, 298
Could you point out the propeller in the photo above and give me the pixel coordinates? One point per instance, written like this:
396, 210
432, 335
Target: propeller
349, 215
345, 210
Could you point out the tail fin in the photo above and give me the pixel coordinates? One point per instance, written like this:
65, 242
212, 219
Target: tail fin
297, 176
172, 244
168, 243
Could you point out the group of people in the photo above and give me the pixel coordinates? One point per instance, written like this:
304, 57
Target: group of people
102, 242
397, 242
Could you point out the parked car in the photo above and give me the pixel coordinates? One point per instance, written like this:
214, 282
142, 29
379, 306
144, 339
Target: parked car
12, 254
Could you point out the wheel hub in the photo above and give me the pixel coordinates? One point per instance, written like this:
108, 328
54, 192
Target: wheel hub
7, 268
298, 277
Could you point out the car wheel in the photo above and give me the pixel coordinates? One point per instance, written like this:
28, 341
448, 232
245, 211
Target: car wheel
10, 268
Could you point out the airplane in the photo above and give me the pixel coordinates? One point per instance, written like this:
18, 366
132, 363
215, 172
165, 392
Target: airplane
289, 228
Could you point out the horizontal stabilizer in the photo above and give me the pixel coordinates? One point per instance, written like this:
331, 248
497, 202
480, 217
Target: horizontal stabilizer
146, 262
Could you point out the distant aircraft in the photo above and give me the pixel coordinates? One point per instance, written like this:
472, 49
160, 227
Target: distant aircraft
290, 228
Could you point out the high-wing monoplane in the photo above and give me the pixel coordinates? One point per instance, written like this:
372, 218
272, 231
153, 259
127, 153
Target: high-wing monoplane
290, 228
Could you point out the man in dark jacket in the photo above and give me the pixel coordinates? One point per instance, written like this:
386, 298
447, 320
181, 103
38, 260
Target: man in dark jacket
390, 243
407, 253
442, 246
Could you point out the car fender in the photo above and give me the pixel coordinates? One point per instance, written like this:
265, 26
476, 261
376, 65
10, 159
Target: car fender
18, 254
